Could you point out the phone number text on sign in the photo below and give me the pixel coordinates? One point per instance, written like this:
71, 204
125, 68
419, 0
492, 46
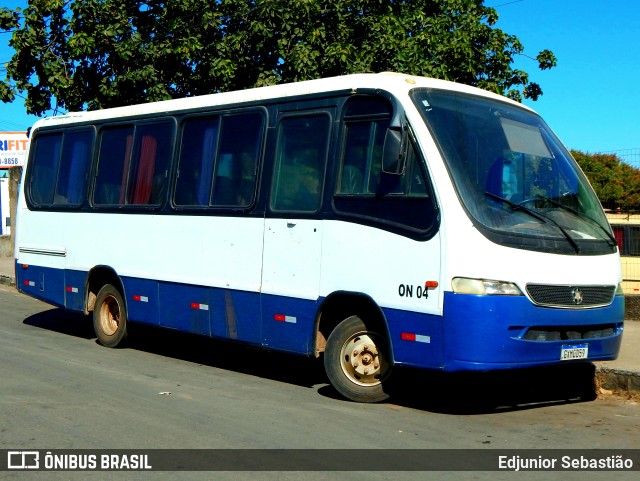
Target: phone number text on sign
10, 161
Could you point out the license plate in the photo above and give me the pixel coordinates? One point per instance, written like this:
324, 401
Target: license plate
574, 351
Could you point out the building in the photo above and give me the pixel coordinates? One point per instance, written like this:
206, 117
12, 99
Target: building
13, 149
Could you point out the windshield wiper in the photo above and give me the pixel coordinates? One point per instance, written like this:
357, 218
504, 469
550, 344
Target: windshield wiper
544, 218
612, 240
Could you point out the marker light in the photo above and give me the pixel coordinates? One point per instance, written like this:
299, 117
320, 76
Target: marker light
484, 287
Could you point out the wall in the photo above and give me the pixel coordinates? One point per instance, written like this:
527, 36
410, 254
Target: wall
6, 246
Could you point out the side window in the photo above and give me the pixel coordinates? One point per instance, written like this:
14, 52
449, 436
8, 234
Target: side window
237, 166
59, 168
74, 168
366, 122
414, 180
362, 189
44, 168
197, 159
218, 161
133, 164
113, 165
362, 159
301, 155
148, 174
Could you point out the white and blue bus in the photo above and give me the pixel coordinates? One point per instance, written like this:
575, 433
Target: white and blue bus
376, 220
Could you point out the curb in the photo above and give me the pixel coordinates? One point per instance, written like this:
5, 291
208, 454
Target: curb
617, 381
7, 281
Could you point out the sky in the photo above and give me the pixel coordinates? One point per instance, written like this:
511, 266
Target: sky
590, 99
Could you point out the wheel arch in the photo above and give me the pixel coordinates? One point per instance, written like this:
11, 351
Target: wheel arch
340, 305
99, 276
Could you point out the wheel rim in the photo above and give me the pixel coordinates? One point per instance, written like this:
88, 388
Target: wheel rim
362, 361
110, 316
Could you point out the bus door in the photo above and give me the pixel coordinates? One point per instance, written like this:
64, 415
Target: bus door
387, 245
293, 230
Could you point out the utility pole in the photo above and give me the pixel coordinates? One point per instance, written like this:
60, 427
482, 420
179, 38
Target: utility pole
15, 174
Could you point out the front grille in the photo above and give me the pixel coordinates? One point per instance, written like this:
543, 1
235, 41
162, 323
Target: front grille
571, 296
569, 333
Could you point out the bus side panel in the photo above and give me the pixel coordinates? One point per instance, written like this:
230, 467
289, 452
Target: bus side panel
288, 323
222, 313
74, 289
142, 301
416, 338
487, 332
45, 283
236, 315
186, 308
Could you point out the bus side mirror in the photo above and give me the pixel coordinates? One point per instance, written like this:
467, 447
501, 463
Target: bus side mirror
393, 151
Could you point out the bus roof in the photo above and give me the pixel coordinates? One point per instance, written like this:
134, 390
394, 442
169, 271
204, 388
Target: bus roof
396, 83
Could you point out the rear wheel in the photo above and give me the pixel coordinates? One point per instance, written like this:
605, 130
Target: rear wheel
356, 361
110, 317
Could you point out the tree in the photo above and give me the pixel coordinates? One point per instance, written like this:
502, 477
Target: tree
91, 54
616, 183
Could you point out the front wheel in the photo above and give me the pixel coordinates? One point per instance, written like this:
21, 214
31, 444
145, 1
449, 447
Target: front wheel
356, 361
110, 317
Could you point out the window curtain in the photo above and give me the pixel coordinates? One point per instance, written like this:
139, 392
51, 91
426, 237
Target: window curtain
146, 168
77, 172
125, 168
207, 164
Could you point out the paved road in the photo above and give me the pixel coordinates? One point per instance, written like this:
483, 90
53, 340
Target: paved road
59, 389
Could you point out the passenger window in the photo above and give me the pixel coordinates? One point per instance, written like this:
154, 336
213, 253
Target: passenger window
74, 168
113, 165
219, 160
60, 166
44, 170
133, 164
197, 159
149, 170
301, 156
237, 166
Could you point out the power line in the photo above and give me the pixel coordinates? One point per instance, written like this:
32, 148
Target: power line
505, 4
7, 126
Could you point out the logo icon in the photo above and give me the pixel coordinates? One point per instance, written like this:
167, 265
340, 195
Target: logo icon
23, 460
577, 296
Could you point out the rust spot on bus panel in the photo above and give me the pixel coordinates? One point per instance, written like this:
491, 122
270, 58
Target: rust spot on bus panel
91, 302
230, 316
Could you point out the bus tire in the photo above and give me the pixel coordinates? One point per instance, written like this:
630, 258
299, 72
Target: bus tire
110, 317
357, 362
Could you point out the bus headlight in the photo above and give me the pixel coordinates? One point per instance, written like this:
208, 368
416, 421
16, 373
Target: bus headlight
484, 287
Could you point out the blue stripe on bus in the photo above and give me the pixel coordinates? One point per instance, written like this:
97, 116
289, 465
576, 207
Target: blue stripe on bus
416, 338
476, 332
287, 325
42, 283
74, 282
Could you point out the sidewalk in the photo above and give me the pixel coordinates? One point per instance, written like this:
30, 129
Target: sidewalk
621, 376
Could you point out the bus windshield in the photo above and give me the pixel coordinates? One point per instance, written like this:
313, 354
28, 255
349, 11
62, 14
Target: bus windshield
514, 177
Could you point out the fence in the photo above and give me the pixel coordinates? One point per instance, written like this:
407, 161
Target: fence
626, 228
629, 156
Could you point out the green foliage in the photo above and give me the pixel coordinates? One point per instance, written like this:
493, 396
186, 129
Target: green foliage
616, 183
93, 54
